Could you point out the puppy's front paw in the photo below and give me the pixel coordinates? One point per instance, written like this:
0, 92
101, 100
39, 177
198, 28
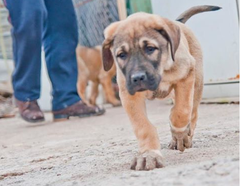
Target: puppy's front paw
180, 138
148, 160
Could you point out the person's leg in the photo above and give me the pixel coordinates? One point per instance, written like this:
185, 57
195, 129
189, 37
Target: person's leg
60, 40
26, 17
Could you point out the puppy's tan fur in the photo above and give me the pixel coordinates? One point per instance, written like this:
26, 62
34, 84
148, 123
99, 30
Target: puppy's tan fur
182, 78
90, 69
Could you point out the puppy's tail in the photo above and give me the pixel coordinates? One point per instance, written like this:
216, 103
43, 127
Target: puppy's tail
196, 10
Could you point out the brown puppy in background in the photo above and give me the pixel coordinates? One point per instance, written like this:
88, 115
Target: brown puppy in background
90, 68
155, 57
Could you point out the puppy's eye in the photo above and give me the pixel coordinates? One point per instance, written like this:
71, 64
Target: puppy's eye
150, 49
122, 55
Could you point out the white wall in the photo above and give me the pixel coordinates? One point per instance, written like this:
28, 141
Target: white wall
217, 32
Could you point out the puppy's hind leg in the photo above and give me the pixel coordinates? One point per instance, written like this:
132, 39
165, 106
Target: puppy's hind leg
198, 89
83, 77
196, 101
109, 92
94, 93
81, 88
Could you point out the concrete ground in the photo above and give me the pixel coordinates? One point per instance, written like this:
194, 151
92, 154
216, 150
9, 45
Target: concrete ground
97, 151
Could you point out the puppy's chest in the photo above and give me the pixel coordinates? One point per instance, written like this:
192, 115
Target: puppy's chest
164, 90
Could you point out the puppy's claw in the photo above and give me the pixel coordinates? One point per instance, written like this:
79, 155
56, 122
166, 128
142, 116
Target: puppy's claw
180, 140
151, 163
180, 145
147, 161
187, 142
134, 163
173, 144
159, 161
141, 162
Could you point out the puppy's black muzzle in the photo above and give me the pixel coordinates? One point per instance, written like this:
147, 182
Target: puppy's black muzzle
141, 81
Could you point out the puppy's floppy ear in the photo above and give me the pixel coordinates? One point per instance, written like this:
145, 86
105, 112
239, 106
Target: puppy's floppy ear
172, 33
107, 56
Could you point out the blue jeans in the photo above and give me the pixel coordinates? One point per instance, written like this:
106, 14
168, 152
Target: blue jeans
52, 24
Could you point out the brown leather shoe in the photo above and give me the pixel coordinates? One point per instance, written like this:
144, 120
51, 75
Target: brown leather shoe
79, 109
30, 111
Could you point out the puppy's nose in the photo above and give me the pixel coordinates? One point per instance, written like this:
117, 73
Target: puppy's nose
138, 77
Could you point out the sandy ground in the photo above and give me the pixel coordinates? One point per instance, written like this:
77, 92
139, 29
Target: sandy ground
98, 151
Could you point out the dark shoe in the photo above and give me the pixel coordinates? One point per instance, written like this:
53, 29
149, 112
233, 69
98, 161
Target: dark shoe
30, 111
78, 109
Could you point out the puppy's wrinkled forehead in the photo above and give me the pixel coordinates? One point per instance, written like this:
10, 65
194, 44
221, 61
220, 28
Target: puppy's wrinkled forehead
136, 30
126, 43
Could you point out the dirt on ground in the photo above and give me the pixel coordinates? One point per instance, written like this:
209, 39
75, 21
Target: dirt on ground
97, 151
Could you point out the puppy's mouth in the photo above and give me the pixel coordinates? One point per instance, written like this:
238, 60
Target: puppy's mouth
138, 88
